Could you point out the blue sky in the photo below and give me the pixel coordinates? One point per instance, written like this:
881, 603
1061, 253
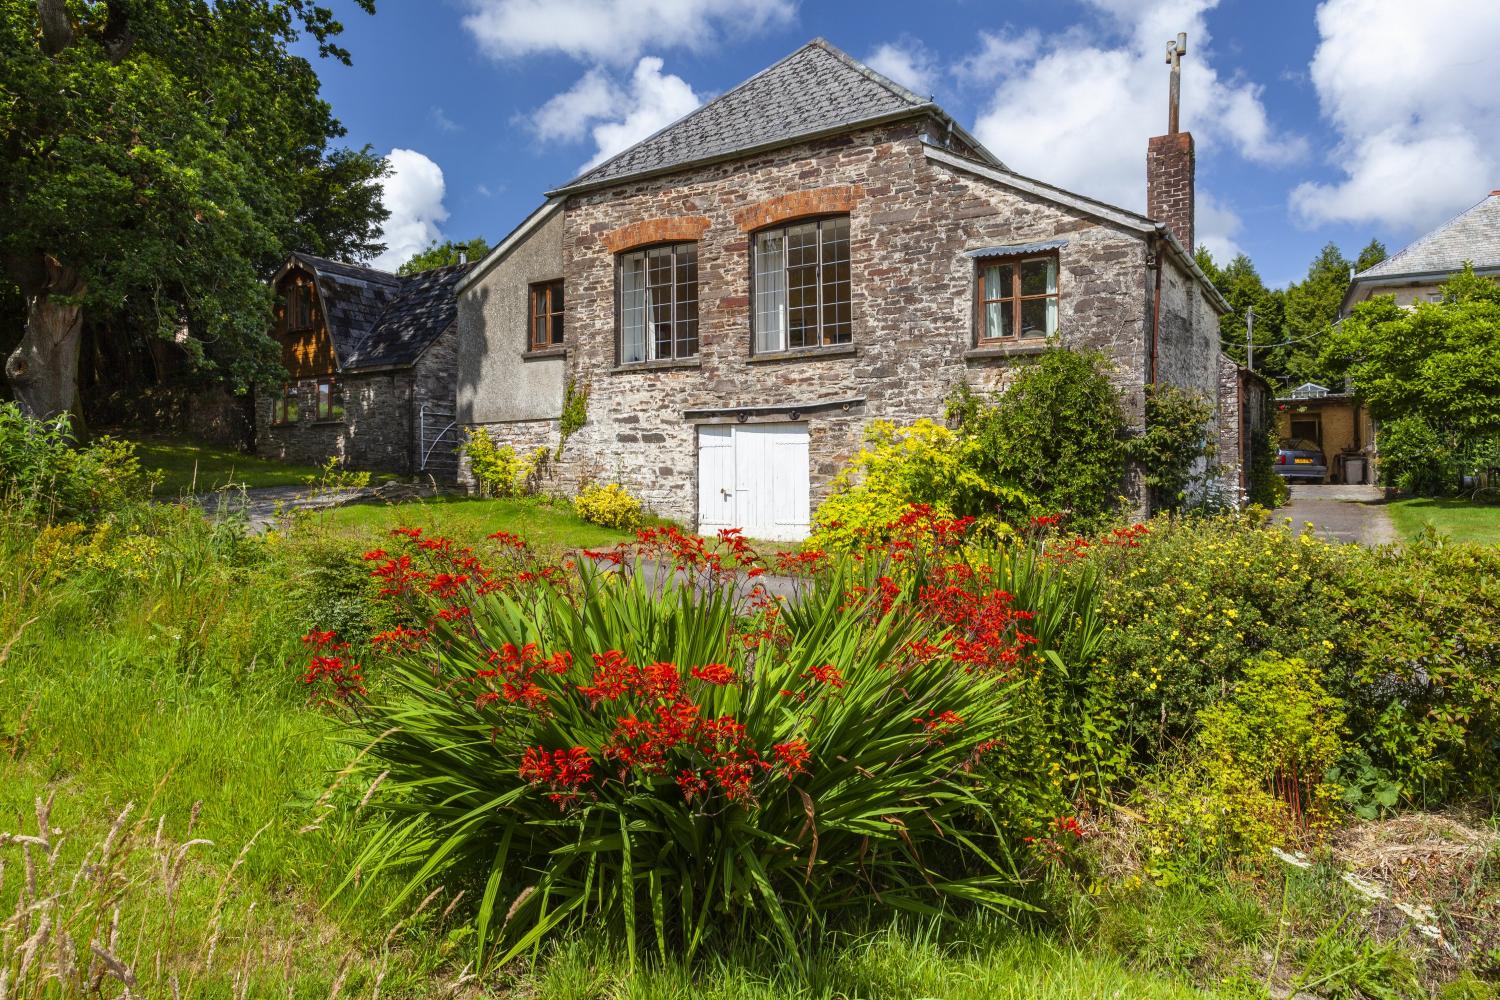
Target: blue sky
1338, 120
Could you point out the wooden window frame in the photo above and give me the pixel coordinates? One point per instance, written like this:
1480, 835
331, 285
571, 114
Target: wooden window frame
289, 391
650, 349
982, 299
335, 408
539, 329
298, 292
822, 336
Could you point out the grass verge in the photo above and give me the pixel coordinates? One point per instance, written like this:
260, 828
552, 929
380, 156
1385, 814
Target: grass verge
1459, 520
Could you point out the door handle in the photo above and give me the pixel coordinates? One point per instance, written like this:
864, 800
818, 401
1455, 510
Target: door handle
725, 492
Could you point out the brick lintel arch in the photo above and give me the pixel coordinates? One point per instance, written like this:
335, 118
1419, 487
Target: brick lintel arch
678, 229
840, 198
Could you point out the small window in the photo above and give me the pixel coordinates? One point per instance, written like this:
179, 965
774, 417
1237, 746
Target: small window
658, 303
802, 286
546, 316
1310, 428
299, 305
1017, 298
287, 407
329, 401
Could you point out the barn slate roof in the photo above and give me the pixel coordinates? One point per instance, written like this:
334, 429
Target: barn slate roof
1472, 236
381, 320
818, 89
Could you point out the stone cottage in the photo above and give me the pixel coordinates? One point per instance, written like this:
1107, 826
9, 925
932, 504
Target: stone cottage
370, 363
743, 292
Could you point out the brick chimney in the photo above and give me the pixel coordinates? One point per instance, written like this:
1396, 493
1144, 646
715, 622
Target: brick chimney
1169, 184
1170, 163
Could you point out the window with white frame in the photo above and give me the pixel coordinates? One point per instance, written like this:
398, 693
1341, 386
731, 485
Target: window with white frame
802, 286
658, 289
1016, 298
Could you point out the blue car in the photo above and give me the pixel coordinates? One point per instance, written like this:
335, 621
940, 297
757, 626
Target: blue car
1301, 459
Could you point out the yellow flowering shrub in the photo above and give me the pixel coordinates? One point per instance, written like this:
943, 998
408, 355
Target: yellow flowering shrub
1253, 774
499, 470
64, 550
609, 505
923, 464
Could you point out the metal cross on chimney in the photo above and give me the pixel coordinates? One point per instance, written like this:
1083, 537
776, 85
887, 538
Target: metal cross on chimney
1175, 51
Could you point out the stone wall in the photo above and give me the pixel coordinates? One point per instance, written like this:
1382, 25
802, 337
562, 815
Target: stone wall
375, 433
911, 222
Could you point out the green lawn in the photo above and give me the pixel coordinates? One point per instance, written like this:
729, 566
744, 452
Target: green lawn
1460, 520
189, 467
548, 527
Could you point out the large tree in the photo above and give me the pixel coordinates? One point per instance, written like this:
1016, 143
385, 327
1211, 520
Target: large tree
1240, 283
445, 254
157, 157
1438, 361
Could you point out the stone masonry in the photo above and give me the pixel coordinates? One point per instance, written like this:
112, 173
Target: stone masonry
911, 221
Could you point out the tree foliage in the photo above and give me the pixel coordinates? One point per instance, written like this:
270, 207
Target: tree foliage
445, 254
158, 158
1438, 360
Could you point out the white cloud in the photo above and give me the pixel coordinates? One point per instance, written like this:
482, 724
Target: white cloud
616, 31
442, 121
1409, 91
908, 63
414, 197
1000, 53
615, 114
1216, 227
1077, 108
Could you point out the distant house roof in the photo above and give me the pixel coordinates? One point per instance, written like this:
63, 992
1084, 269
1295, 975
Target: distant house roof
1473, 236
817, 90
381, 320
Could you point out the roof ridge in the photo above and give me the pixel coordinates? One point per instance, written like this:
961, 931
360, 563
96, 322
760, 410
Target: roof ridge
693, 113
1427, 237
316, 259
913, 102
910, 96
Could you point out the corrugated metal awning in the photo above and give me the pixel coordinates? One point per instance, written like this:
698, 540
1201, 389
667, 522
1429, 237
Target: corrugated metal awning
1018, 248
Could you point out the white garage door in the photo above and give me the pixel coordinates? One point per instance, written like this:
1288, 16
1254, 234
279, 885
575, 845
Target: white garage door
753, 477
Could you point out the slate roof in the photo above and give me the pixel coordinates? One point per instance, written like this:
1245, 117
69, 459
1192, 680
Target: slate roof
377, 319
816, 90
1472, 236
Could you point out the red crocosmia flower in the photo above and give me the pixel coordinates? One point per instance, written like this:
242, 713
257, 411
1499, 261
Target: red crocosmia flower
826, 674
798, 695
508, 540
938, 723
536, 766
691, 784
734, 778
408, 532
318, 639
714, 673
792, 756
1069, 826
453, 614
374, 554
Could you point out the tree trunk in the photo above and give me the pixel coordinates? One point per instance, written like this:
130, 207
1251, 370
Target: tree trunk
43, 369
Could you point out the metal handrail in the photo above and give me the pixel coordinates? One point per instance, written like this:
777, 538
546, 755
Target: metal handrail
437, 438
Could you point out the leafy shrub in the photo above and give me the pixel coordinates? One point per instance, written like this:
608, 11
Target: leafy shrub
43, 476
498, 470
610, 505
1253, 772
1055, 436
332, 477
924, 465
677, 766
1175, 448
1405, 639
1414, 459
575, 413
